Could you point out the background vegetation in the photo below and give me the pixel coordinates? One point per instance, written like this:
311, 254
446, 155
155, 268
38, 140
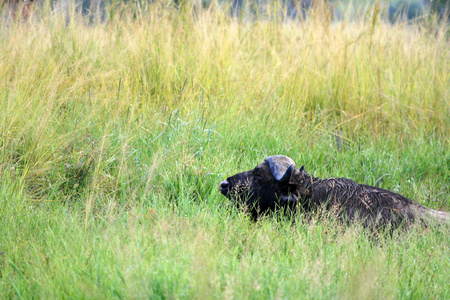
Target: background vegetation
114, 136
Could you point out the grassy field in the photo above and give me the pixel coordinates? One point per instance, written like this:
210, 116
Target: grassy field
114, 137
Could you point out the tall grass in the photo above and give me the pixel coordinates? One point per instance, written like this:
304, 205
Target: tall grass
115, 135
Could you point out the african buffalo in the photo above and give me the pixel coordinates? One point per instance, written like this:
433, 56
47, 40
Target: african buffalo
277, 184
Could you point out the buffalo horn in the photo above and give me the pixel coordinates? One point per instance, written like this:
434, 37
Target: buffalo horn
281, 167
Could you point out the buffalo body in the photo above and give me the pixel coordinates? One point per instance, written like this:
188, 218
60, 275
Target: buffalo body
277, 184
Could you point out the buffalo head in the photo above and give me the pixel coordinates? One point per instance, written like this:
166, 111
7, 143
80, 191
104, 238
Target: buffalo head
267, 187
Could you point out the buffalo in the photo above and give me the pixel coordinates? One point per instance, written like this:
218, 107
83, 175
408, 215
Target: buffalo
276, 184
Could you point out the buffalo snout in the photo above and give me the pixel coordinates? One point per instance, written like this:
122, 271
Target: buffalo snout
224, 187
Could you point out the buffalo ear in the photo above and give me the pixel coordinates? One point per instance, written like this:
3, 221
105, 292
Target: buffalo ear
281, 167
301, 181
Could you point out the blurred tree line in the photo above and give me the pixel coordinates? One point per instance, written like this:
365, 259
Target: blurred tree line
399, 9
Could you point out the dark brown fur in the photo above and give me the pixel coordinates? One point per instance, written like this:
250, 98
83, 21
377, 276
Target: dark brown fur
258, 190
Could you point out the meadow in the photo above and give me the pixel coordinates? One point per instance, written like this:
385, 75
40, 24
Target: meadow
115, 133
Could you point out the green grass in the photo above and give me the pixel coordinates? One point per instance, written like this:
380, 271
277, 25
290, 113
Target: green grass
115, 136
